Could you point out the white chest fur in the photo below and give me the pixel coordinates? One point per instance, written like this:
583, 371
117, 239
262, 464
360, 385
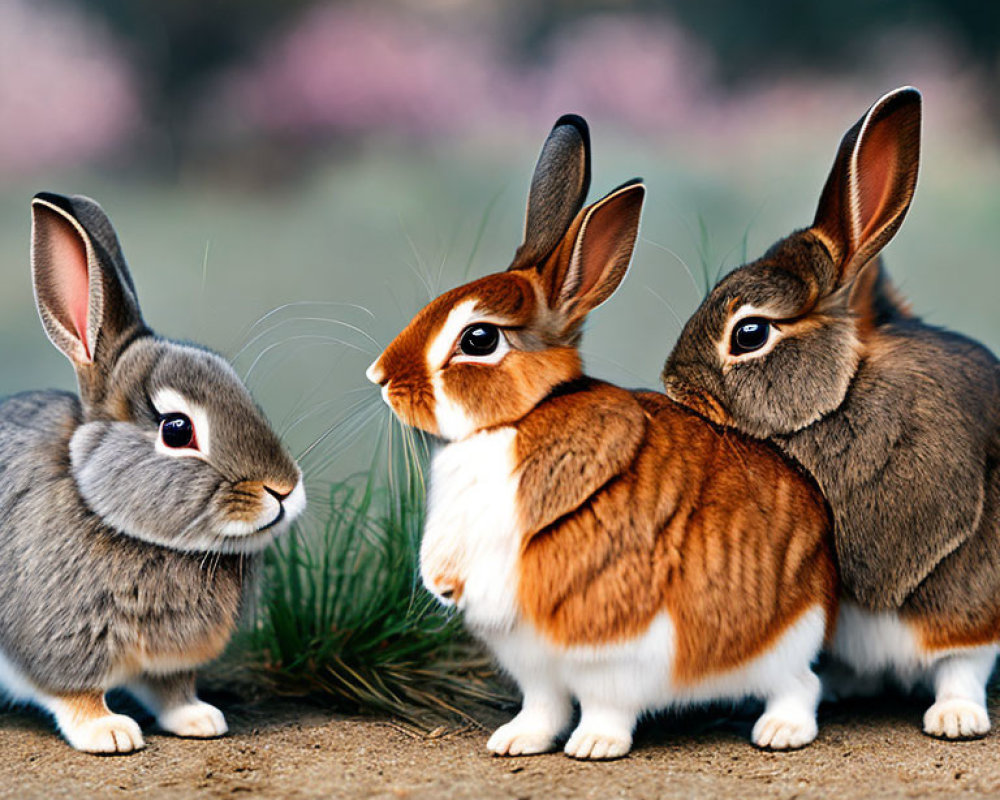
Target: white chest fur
472, 540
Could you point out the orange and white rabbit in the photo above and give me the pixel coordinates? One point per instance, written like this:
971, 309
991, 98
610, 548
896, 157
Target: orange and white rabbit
607, 545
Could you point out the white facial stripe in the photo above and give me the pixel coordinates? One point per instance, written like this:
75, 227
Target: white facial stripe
170, 401
442, 345
746, 311
452, 422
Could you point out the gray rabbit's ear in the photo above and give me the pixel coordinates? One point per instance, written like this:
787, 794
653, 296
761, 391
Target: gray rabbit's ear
872, 182
558, 190
83, 290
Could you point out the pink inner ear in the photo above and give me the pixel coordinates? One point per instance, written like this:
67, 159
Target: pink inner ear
877, 164
70, 278
601, 247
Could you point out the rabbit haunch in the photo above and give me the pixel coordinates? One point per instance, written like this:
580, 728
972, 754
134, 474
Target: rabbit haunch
511, 544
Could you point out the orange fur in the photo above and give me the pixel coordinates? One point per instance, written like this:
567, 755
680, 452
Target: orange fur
85, 706
715, 529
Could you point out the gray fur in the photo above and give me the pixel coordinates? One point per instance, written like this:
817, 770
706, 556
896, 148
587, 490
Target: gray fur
558, 190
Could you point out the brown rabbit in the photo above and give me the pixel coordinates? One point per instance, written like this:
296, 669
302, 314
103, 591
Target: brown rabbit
607, 545
898, 421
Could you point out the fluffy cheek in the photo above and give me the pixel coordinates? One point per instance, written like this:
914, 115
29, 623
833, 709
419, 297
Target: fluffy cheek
473, 396
799, 382
122, 479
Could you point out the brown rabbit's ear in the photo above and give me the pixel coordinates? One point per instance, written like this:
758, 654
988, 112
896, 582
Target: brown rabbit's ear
602, 243
85, 296
872, 182
558, 190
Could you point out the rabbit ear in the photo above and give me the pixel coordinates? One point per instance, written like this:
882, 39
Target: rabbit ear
83, 290
558, 190
872, 182
602, 243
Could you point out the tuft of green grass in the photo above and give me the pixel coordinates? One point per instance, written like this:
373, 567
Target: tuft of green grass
342, 616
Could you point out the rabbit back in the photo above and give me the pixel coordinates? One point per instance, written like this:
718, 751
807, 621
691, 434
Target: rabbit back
718, 531
907, 451
82, 606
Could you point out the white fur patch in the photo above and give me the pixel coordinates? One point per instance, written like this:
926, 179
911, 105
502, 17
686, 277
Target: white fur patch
196, 720
13, 683
638, 674
471, 538
452, 421
873, 643
440, 347
170, 401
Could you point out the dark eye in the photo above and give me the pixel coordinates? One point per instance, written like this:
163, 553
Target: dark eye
176, 430
749, 335
479, 340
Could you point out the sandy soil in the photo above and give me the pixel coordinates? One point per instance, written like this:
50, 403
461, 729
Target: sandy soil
293, 750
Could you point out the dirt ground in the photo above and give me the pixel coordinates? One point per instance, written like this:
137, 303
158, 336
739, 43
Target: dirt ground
293, 750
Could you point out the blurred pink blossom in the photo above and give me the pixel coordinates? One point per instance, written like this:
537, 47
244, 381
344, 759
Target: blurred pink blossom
355, 69
642, 71
66, 94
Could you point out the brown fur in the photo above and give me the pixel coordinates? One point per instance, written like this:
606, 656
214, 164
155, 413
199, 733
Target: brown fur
898, 421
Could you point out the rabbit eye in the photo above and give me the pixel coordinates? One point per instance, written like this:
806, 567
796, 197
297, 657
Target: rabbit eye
750, 335
479, 340
176, 431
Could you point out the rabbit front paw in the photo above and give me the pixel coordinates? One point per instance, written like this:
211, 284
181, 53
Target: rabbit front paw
195, 720
113, 733
775, 731
597, 745
956, 719
517, 738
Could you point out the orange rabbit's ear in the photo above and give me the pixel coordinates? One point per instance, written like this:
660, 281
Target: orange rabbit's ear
872, 182
558, 190
603, 241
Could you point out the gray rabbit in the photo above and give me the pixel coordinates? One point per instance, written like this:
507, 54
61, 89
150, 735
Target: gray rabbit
898, 421
130, 516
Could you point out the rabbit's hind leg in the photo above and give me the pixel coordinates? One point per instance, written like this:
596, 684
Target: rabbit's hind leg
174, 703
959, 710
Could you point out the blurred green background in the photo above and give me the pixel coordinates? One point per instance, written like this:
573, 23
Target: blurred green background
292, 179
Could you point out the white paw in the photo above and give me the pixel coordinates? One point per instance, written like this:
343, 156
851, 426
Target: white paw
956, 719
195, 720
519, 739
114, 733
596, 746
778, 732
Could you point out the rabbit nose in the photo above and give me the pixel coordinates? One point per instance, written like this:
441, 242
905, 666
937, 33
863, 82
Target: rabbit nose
375, 373
279, 493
